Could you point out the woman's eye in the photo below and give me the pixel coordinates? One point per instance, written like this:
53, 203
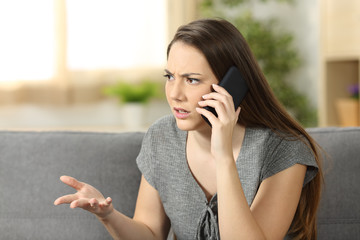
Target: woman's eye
169, 77
193, 80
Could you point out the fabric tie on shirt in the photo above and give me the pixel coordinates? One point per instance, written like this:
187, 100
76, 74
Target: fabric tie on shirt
208, 228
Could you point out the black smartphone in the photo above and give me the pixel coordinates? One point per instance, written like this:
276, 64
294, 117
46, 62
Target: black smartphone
235, 84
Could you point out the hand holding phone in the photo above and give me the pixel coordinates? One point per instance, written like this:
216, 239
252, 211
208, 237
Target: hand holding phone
234, 83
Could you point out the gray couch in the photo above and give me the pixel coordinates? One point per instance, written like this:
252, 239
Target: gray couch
32, 162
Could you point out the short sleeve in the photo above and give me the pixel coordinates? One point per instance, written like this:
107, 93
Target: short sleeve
162, 140
284, 153
145, 161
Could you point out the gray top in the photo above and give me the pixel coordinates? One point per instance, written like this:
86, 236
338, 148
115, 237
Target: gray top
162, 161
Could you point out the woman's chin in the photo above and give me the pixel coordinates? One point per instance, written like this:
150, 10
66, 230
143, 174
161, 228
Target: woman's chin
188, 125
184, 125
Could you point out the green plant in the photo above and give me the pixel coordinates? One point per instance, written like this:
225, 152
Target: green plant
128, 92
274, 51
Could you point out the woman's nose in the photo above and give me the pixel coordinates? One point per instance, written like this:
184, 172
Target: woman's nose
176, 91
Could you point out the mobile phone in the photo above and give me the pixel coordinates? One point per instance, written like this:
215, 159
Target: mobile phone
235, 84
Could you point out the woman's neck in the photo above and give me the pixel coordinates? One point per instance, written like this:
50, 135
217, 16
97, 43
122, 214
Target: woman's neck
202, 138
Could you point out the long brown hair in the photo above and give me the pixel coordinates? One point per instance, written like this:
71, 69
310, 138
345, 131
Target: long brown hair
224, 46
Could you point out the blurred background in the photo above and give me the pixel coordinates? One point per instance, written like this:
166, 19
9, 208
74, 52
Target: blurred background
98, 64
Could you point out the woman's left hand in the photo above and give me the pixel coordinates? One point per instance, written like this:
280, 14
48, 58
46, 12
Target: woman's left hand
223, 125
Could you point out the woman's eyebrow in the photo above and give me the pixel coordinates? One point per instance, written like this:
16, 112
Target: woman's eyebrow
184, 74
168, 72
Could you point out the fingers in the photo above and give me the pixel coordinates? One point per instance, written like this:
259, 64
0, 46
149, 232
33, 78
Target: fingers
209, 115
65, 199
222, 96
72, 182
222, 103
94, 203
220, 89
238, 110
219, 106
108, 201
80, 203
91, 204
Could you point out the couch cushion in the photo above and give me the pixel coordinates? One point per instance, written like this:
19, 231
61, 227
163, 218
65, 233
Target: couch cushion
339, 213
31, 164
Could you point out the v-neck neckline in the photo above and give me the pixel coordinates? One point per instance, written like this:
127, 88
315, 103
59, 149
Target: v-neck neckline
190, 175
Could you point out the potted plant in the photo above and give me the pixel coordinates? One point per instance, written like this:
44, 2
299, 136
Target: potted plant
354, 91
133, 97
348, 108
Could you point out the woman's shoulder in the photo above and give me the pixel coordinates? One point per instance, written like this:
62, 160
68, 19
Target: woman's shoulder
164, 124
258, 135
284, 149
165, 128
276, 139
167, 121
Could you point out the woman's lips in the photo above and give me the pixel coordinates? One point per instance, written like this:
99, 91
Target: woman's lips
181, 113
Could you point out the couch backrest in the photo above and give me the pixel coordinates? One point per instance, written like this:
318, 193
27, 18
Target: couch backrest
31, 164
339, 213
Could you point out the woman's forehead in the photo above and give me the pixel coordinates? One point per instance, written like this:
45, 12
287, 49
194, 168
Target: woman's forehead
186, 57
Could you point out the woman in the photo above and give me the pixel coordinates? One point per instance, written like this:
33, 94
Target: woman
255, 174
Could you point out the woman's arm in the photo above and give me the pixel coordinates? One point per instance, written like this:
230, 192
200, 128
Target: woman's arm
149, 222
275, 203
153, 223
150, 211
272, 210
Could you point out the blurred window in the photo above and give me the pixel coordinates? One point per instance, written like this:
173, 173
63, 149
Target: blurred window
116, 33
100, 34
26, 40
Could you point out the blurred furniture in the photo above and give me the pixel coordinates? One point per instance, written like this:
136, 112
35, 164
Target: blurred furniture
340, 60
339, 213
32, 162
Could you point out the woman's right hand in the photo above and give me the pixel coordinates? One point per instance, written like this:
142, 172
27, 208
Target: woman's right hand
87, 197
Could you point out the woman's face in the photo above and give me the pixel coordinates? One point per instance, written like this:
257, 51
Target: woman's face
189, 77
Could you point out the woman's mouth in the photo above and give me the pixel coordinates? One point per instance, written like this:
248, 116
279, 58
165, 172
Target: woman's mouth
181, 113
